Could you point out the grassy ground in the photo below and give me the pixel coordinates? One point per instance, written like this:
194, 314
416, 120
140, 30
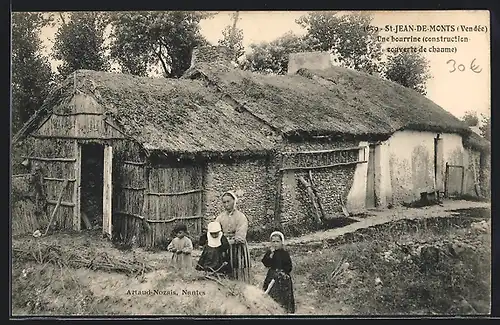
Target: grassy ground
51, 290
440, 268
432, 271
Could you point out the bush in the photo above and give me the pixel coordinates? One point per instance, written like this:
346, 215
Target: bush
428, 282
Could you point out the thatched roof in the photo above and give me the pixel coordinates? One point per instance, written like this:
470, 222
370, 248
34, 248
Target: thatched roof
170, 115
477, 142
188, 115
333, 101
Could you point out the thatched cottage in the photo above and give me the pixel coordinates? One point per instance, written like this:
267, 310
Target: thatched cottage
298, 148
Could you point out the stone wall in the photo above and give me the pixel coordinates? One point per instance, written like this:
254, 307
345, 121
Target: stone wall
297, 211
251, 182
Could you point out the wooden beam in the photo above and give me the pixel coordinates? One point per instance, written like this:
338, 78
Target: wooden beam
77, 138
176, 193
325, 166
77, 216
313, 199
51, 159
174, 219
446, 176
137, 163
59, 179
23, 132
58, 203
86, 221
76, 113
112, 125
322, 151
157, 220
64, 204
132, 188
145, 203
107, 192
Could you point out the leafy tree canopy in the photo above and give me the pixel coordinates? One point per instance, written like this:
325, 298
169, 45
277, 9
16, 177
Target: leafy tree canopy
144, 39
31, 72
80, 43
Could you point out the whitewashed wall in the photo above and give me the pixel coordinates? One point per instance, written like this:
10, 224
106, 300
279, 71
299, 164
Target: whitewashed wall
411, 163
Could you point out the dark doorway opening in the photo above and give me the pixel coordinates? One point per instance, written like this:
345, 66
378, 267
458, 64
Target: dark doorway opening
92, 183
436, 141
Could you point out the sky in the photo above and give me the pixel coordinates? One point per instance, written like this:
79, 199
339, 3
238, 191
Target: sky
457, 91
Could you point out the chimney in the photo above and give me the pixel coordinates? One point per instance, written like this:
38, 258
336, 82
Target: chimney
211, 54
309, 60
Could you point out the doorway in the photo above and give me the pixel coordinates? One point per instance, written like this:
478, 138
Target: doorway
92, 185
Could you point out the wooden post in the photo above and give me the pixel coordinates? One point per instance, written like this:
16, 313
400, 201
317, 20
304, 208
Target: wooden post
476, 180
145, 203
446, 174
107, 192
312, 197
463, 181
316, 195
77, 188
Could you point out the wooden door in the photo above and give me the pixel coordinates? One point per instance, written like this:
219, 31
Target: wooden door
370, 182
107, 191
454, 180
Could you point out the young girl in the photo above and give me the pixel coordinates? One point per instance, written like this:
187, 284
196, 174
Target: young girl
278, 283
215, 255
181, 248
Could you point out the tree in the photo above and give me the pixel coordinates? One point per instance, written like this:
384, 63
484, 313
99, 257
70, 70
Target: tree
410, 70
144, 39
232, 37
346, 36
470, 118
273, 56
31, 71
486, 127
79, 43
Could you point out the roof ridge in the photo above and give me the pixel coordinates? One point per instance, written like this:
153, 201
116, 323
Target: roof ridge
243, 106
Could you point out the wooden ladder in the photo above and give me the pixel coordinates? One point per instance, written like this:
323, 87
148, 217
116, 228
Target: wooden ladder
59, 199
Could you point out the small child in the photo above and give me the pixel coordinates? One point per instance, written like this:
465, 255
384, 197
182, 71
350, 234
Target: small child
181, 248
215, 250
278, 283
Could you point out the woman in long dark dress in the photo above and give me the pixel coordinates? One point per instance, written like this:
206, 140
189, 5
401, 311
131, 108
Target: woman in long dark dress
278, 283
215, 254
235, 226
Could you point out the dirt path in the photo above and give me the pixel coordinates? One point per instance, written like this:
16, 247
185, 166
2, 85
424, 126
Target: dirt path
381, 217
377, 217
